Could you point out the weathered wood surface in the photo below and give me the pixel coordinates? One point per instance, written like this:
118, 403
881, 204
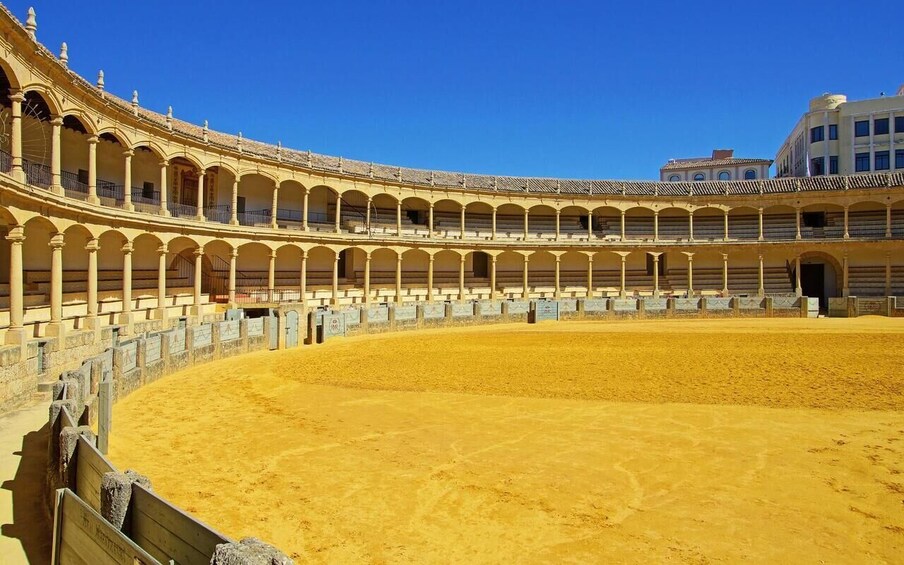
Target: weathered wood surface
90, 469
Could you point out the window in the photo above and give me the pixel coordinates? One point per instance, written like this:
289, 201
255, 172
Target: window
698, 177
749, 174
724, 175
833, 165
899, 124
880, 126
861, 128
83, 176
881, 161
674, 178
817, 167
861, 162
817, 134
833, 131
899, 159
813, 219
147, 190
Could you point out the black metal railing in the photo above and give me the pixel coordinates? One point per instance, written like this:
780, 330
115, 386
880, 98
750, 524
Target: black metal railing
36, 174
6, 161
145, 201
254, 218
182, 210
221, 213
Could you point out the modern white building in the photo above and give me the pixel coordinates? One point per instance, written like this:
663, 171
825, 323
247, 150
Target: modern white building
836, 136
722, 165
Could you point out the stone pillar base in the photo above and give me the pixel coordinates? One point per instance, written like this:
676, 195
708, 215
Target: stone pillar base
195, 310
56, 329
126, 321
16, 336
92, 323
129, 207
57, 189
93, 200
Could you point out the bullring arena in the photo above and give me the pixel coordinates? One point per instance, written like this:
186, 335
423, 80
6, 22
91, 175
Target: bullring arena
361, 362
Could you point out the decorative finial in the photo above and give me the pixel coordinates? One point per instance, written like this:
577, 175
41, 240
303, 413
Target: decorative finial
204, 132
31, 23
340, 164
135, 102
310, 159
240, 142
371, 171
100, 80
169, 117
64, 54
279, 151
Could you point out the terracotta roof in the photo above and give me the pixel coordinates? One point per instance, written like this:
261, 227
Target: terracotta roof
698, 162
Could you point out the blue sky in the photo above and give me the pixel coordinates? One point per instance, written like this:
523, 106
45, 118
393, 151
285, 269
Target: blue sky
571, 89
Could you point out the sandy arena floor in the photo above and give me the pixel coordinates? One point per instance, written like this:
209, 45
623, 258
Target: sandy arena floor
690, 441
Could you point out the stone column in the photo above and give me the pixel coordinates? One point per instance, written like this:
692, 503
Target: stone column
797, 287
127, 183
161, 282
589, 225
15, 136
655, 274
55, 328
399, 218
492, 277
526, 224
430, 279
164, 173
797, 223
526, 292
335, 299
303, 277
125, 317
398, 278
92, 248
622, 291
690, 225
888, 220
847, 234
590, 276
725, 274
274, 206
461, 277
761, 288
338, 212
304, 211
233, 259
234, 205
367, 277
622, 225
760, 235
462, 236
199, 213
16, 331
845, 286
493, 227
888, 274
558, 293
558, 214
92, 170
655, 225
690, 274
271, 277
430, 220
55, 155
199, 261
725, 237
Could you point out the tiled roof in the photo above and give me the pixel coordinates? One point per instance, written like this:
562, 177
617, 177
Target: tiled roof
698, 162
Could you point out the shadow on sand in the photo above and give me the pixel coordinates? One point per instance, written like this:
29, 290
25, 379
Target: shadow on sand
32, 523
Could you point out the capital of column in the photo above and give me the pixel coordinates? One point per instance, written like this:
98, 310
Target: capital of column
128, 247
198, 252
93, 140
492, 257
163, 249
16, 235
56, 121
128, 153
16, 95
164, 163
235, 253
57, 241
92, 246
272, 254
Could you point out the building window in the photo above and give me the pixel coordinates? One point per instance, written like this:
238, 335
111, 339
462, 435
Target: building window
880, 126
899, 124
817, 134
899, 159
861, 128
147, 190
833, 165
817, 167
724, 175
861, 162
698, 177
833, 132
674, 178
749, 174
881, 161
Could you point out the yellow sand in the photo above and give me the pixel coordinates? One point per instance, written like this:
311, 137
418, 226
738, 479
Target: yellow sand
689, 441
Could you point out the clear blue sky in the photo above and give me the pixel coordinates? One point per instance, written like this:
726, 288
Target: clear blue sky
583, 89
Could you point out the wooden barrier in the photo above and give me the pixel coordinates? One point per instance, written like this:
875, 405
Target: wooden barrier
90, 468
168, 533
81, 535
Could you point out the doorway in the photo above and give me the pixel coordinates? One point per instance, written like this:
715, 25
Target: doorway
812, 282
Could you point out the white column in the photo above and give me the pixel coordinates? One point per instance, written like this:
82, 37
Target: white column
845, 286
398, 278
797, 288
274, 206
726, 226
526, 224
303, 277
233, 259
430, 279
430, 220
655, 274
335, 299
846, 232
761, 288
622, 225
15, 136
590, 276
461, 278
92, 170
367, 276
92, 248
725, 274
199, 213
888, 268
690, 274
16, 331
493, 232
492, 277
164, 173
199, 256
271, 277
760, 235
797, 223
558, 293
125, 316
558, 214
622, 291
161, 281
304, 211
56, 285
690, 225
655, 225
234, 205
589, 225
55, 155
338, 212
526, 292
399, 218
127, 183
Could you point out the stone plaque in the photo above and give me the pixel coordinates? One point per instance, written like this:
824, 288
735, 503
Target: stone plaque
406, 312
152, 349
229, 330
255, 327
595, 305
202, 335
434, 311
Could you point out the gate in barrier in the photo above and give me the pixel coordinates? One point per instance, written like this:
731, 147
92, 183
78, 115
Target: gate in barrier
291, 328
273, 326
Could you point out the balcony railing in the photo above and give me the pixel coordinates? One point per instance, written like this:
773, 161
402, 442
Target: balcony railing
6, 161
254, 218
221, 213
145, 201
182, 210
36, 174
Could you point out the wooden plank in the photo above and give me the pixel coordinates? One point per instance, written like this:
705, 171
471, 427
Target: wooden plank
66, 419
105, 414
183, 538
87, 538
90, 469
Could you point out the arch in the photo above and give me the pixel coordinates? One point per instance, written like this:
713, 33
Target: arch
322, 205
831, 274
674, 178
42, 95
699, 177
257, 171
10, 75
750, 174
724, 175
151, 147
79, 121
